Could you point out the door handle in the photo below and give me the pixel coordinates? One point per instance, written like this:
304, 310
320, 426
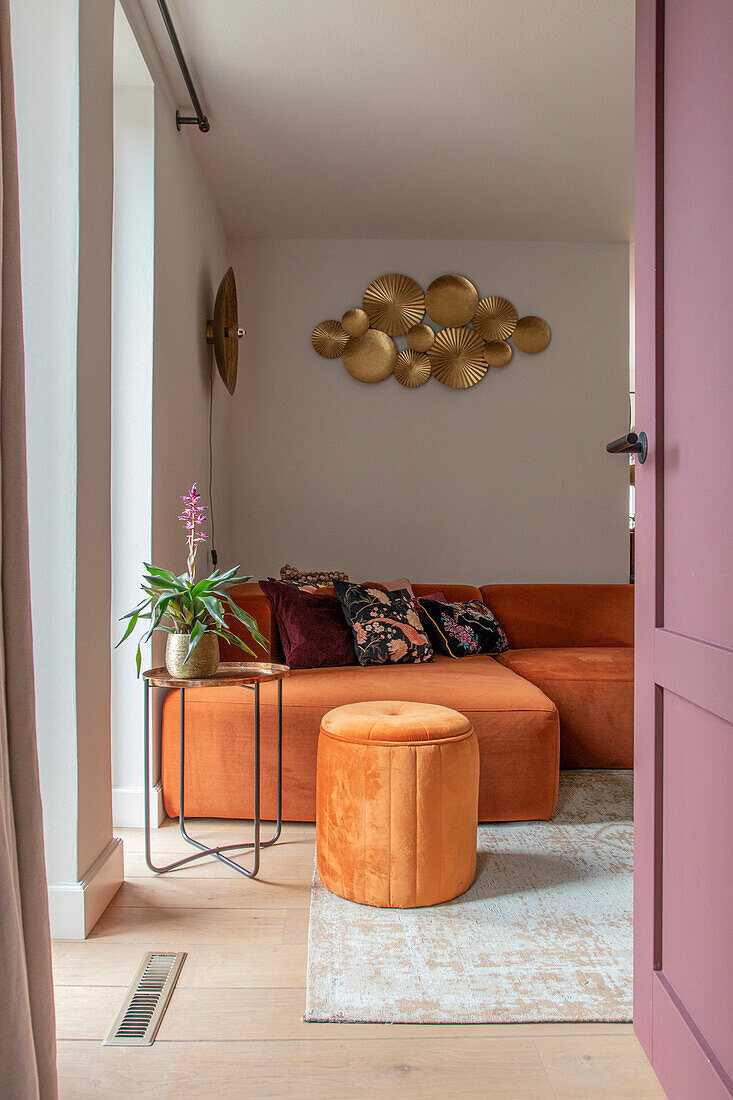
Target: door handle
630, 444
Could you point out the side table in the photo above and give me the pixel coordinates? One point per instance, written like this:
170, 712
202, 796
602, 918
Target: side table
229, 674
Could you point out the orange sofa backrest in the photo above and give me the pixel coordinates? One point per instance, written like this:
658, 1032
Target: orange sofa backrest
454, 593
554, 616
547, 616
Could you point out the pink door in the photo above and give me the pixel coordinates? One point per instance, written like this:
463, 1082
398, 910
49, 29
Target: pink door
683, 973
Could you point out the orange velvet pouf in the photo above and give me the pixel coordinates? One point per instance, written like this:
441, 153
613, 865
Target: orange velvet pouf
396, 803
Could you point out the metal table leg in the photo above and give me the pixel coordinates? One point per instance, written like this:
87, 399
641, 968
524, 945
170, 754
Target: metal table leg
257, 844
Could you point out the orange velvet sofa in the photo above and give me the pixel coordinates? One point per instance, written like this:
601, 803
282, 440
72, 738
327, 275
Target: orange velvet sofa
560, 696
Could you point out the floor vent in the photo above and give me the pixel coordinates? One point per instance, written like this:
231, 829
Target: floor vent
143, 1008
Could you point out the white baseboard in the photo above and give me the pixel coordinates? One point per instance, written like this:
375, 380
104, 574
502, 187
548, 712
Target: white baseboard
128, 807
75, 907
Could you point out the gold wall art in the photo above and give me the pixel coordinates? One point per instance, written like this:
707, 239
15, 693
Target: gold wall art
412, 368
495, 318
371, 357
451, 301
329, 339
394, 303
497, 353
466, 338
531, 335
355, 322
457, 358
420, 337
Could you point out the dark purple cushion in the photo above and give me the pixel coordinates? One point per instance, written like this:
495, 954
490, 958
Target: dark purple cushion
312, 627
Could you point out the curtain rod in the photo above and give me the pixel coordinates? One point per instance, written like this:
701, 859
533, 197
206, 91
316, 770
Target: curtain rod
199, 118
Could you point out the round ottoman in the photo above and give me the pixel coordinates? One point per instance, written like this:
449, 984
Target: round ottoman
396, 803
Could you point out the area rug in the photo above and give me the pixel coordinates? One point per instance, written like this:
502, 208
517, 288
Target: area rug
544, 933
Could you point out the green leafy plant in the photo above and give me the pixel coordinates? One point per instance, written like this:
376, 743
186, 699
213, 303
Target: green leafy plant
183, 605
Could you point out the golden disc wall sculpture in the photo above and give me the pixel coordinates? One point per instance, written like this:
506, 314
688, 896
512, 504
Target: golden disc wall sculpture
457, 358
329, 339
466, 338
371, 357
394, 304
495, 318
451, 300
412, 368
420, 337
355, 322
497, 353
531, 335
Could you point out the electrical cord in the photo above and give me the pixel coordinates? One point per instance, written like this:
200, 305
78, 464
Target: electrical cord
211, 454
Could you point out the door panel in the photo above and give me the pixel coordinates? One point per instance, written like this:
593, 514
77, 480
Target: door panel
698, 319
697, 855
683, 906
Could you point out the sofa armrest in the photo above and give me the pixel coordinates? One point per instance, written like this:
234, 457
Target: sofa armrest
252, 599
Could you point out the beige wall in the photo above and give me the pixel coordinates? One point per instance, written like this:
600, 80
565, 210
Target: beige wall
507, 481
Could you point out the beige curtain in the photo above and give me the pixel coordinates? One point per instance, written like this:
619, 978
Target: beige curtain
27, 1027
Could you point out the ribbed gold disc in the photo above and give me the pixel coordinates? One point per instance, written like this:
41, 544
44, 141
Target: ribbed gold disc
531, 335
451, 300
394, 303
497, 353
495, 319
355, 322
412, 368
329, 339
420, 337
371, 357
457, 358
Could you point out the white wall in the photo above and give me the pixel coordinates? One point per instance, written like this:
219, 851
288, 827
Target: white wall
64, 88
63, 60
190, 259
506, 481
47, 109
132, 399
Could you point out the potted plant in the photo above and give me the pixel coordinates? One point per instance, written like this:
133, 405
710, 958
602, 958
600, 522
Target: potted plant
191, 612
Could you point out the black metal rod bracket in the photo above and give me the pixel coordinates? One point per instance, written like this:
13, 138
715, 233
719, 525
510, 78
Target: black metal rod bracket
630, 444
200, 118
187, 120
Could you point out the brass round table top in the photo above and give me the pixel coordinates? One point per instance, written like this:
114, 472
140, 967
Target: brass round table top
228, 674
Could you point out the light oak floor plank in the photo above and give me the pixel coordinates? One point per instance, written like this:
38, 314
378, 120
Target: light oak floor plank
177, 925
262, 1014
477, 1069
212, 893
208, 966
234, 1025
608, 1066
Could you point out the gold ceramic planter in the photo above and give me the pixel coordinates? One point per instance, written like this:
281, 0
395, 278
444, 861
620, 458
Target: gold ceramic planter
203, 662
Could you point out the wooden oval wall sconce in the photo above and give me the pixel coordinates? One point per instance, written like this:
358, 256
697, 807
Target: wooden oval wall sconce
223, 331
468, 336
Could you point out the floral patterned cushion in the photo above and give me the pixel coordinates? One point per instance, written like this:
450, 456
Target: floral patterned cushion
385, 625
462, 629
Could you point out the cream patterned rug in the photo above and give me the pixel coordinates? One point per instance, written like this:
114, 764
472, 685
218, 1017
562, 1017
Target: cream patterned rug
544, 933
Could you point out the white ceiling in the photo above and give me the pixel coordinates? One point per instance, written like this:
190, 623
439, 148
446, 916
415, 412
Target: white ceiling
478, 119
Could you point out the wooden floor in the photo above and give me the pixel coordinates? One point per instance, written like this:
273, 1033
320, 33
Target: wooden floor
234, 1028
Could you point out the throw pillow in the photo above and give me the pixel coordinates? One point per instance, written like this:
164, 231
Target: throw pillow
290, 573
385, 625
312, 627
461, 629
439, 596
305, 586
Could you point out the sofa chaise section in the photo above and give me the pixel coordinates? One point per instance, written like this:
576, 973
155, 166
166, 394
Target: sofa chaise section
516, 725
